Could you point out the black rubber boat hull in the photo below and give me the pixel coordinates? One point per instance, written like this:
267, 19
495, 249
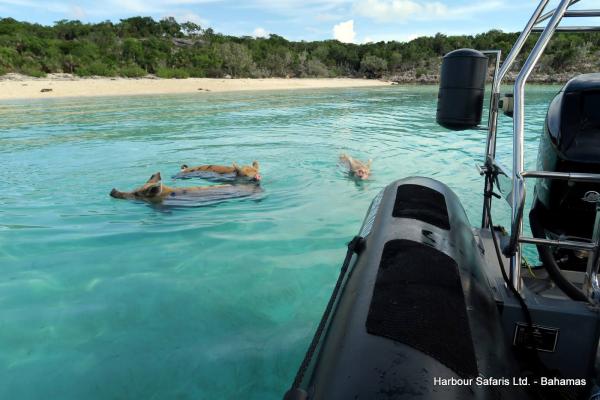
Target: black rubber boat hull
415, 308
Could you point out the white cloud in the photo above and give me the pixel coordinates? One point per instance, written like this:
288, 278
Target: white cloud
293, 7
344, 31
412, 36
323, 17
52, 6
136, 6
316, 30
78, 12
151, 7
187, 2
25, 3
191, 17
387, 10
407, 36
111, 9
395, 36
260, 32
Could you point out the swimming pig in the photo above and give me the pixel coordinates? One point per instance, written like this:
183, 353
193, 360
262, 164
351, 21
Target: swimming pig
356, 167
154, 191
221, 172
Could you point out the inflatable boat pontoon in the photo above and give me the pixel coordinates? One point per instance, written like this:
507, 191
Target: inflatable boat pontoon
428, 307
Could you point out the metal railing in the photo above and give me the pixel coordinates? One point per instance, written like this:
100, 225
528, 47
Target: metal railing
490, 147
554, 17
591, 287
519, 132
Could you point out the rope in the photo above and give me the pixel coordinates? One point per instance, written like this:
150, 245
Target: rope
525, 263
538, 368
355, 246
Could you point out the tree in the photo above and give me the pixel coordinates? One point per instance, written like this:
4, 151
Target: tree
316, 68
138, 45
373, 66
70, 30
237, 60
170, 27
278, 62
139, 27
395, 61
8, 58
132, 50
191, 29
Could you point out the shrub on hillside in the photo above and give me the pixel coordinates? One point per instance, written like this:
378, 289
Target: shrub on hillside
96, 68
315, 68
32, 70
108, 49
132, 71
172, 73
373, 66
196, 72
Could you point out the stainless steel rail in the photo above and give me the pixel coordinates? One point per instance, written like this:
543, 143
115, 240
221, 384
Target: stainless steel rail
591, 286
572, 29
583, 13
490, 147
570, 13
497, 55
551, 12
518, 135
565, 176
517, 192
568, 244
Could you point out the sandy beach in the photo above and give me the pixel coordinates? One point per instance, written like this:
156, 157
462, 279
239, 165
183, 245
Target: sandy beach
15, 86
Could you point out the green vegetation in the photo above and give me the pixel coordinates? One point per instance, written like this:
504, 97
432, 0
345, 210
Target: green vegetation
138, 46
170, 73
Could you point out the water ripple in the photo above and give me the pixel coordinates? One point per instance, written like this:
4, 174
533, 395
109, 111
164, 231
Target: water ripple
105, 298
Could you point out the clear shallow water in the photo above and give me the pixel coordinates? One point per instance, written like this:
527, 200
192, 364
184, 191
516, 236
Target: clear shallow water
109, 299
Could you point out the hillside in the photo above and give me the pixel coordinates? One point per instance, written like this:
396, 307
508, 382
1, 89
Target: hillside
139, 46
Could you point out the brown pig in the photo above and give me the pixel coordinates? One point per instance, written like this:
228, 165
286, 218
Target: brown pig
250, 172
154, 191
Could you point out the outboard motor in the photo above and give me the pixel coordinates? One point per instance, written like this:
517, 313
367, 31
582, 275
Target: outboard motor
570, 143
462, 87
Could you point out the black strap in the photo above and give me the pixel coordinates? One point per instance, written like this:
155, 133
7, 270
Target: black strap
356, 245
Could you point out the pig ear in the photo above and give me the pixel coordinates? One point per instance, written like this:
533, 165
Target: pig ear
153, 189
154, 178
255, 164
236, 167
369, 163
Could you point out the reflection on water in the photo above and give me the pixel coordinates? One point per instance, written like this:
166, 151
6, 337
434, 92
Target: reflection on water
116, 299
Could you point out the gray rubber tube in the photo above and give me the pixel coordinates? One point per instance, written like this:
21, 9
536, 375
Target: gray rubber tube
550, 263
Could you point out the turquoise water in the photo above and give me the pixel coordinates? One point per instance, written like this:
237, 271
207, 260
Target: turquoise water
109, 299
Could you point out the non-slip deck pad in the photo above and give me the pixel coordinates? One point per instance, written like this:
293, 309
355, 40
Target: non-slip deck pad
422, 203
418, 300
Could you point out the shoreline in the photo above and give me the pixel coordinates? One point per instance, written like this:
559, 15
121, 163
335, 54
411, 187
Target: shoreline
537, 78
20, 87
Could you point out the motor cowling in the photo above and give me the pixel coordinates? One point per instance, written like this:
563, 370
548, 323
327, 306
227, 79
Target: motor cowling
571, 143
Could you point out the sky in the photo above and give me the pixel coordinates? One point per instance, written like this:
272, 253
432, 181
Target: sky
357, 21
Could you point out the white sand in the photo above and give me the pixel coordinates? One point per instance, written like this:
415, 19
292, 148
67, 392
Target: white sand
15, 86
